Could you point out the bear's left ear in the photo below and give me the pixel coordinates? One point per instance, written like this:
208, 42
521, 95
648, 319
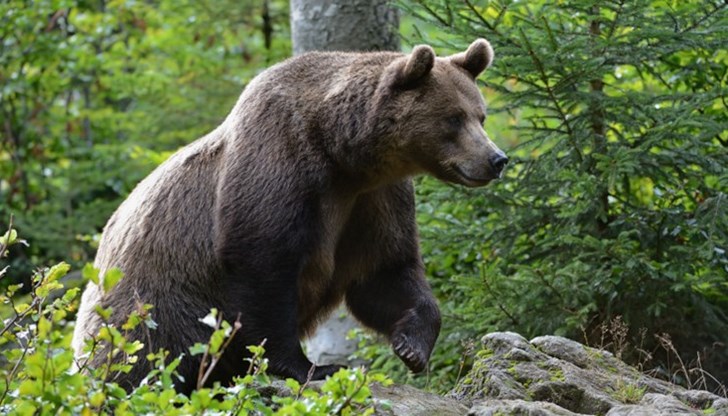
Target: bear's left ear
476, 59
406, 71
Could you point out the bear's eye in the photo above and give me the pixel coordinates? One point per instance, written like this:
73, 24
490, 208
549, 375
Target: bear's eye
481, 118
454, 122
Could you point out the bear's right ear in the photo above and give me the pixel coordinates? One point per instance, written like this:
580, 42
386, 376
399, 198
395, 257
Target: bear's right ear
405, 72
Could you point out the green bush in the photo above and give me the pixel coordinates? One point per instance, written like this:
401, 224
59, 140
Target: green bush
614, 202
94, 95
39, 374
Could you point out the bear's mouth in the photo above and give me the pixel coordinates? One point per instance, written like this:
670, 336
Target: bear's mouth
469, 180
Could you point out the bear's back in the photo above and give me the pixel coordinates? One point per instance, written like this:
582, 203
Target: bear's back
169, 214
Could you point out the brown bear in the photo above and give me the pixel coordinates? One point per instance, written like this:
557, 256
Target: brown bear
301, 199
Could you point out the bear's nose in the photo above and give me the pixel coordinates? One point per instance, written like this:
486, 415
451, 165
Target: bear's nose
498, 162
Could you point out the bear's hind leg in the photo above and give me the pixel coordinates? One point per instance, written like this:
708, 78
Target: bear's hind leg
268, 306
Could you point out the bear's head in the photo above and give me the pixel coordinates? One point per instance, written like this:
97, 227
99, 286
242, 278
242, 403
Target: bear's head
440, 114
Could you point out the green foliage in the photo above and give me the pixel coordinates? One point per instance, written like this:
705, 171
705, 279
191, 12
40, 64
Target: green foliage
614, 202
629, 393
93, 95
41, 376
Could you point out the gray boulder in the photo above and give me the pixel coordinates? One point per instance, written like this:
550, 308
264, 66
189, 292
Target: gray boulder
552, 375
518, 408
407, 400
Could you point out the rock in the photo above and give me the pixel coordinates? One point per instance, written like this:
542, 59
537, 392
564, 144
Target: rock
329, 344
548, 376
563, 349
653, 404
720, 404
407, 400
719, 408
667, 404
518, 408
514, 376
699, 399
632, 410
277, 388
573, 397
501, 342
394, 400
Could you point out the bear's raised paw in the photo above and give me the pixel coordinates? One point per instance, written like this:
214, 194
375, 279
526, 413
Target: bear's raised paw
410, 352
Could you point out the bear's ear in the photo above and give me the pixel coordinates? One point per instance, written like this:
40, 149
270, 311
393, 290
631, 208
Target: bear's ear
476, 59
407, 71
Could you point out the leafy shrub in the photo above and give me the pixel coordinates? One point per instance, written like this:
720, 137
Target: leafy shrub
94, 95
39, 374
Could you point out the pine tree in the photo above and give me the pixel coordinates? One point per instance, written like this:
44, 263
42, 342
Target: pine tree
615, 199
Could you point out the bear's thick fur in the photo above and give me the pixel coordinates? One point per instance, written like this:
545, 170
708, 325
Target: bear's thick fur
299, 200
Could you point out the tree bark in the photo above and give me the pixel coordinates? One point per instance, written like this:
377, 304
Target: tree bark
599, 129
344, 25
341, 25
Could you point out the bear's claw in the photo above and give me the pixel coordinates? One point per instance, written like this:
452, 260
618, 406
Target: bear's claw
409, 354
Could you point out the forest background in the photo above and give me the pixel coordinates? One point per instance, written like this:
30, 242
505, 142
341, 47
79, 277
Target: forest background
610, 225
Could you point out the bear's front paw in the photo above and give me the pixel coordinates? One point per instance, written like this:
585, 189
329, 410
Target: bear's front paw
414, 336
411, 352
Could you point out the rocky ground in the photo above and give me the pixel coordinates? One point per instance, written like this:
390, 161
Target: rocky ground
551, 376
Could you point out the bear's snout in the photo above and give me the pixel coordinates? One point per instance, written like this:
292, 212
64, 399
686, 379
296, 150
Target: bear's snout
498, 162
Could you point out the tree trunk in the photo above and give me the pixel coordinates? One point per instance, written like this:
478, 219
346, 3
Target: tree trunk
344, 25
341, 25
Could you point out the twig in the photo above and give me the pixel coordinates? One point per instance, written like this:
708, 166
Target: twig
203, 374
513, 319
252, 359
12, 373
19, 316
703, 18
433, 14
309, 377
4, 246
347, 402
549, 90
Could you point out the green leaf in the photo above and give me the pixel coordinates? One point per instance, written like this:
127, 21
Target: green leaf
57, 271
104, 313
9, 238
90, 273
198, 348
70, 295
111, 278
